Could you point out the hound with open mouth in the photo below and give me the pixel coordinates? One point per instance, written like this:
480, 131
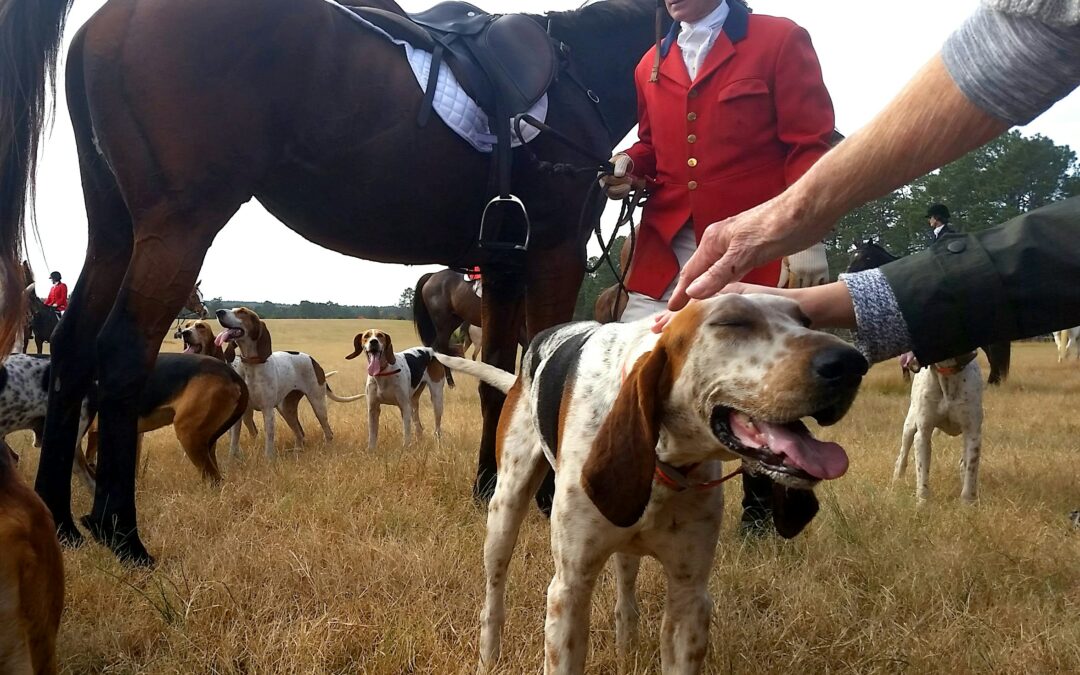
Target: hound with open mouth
398, 379
275, 380
636, 427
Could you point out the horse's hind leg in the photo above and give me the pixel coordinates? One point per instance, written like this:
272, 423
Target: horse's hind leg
72, 345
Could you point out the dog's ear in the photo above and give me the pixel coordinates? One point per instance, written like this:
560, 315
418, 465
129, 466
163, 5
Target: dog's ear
618, 473
230, 352
263, 346
792, 509
358, 346
388, 349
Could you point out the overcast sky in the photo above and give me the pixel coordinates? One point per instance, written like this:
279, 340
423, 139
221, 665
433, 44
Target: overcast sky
868, 50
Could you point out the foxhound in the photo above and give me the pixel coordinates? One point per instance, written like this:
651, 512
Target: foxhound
199, 396
199, 338
947, 396
398, 378
636, 426
31, 576
275, 380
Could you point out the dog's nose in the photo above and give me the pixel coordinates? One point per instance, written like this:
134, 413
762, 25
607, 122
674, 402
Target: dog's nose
839, 364
220, 314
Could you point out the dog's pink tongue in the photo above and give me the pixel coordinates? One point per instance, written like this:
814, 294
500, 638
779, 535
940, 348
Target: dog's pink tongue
373, 365
821, 459
190, 349
221, 337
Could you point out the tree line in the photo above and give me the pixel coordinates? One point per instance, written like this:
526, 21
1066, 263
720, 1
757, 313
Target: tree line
312, 310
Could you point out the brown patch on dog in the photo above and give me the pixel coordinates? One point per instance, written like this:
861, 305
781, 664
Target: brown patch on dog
618, 474
564, 412
31, 577
503, 428
436, 370
320, 374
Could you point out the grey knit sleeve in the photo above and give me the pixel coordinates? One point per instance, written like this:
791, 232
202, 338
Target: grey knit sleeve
1011, 66
881, 331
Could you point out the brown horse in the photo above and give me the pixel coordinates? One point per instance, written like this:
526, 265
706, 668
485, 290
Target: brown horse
193, 309
443, 301
185, 109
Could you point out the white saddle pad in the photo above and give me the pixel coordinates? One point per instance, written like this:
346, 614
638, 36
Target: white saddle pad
452, 104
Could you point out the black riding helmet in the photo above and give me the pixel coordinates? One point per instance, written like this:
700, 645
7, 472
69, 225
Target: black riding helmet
55, 276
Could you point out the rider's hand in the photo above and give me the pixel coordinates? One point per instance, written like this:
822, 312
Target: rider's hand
619, 182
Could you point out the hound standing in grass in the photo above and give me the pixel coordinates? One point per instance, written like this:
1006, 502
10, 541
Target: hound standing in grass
275, 380
635, 426
398, 378
947, 396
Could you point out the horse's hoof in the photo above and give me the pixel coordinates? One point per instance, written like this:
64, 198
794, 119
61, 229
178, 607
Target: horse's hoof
69, 535
128, 548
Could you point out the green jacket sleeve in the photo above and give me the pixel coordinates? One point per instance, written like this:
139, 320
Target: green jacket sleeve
1013, 281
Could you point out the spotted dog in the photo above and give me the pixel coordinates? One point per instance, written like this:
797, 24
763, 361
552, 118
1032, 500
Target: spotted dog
24, 398
398, 378
636, 426
275, 380
31, 576
199, 396
948, 396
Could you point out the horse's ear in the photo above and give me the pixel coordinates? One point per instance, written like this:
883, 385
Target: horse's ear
618, 473
197, 283
358, 346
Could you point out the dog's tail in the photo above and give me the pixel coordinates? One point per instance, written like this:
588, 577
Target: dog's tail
496, 377
342, 399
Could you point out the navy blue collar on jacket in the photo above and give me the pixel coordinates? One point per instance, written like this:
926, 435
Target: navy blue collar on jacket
735, 26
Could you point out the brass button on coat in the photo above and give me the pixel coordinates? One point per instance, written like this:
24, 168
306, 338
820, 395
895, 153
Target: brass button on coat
691, 116
693, 93
691, 138
692, 162
692, 185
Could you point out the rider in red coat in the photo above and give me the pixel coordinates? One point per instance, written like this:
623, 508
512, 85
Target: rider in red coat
734, 113
58, 294
755, 117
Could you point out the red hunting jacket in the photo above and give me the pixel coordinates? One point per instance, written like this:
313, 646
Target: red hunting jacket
757, 117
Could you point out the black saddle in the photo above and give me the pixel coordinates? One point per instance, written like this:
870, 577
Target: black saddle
505, 62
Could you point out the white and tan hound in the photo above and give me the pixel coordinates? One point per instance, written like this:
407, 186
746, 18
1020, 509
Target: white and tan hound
275, 380
31, 576
635, 426
948, 396
398, 378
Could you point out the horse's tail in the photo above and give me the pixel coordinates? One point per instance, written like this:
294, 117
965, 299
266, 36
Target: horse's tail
30, 31
425, 326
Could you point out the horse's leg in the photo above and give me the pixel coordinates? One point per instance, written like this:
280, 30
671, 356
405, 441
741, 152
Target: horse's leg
108, 251
504, 286
554, 281
165, 262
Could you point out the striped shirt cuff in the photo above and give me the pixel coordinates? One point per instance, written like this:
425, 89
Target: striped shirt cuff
1013, 67
881, 331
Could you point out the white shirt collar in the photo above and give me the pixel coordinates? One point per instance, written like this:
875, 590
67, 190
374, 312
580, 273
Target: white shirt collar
696, 39
937, 230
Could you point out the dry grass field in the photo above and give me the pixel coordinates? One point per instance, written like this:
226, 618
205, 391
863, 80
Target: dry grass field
334, 559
